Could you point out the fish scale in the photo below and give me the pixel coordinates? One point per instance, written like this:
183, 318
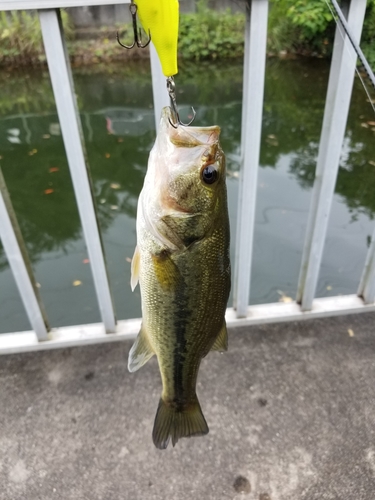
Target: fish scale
182, 263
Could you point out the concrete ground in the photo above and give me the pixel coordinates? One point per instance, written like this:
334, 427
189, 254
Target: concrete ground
291, 411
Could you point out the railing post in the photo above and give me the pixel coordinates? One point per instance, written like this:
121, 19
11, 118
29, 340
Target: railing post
20, 265
252, 113
332, 137
63, 89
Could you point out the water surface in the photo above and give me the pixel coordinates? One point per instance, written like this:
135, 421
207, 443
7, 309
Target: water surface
117, 117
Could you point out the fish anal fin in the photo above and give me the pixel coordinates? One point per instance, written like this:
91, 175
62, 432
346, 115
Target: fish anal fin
171, 422
136, 260
140, 352
221, 342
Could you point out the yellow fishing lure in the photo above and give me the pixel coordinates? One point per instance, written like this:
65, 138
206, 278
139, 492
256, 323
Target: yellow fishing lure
160, 18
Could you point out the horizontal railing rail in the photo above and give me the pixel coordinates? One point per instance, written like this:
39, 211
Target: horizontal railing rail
53, 4
305, 306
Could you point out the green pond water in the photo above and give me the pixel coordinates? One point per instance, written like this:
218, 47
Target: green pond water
116, 111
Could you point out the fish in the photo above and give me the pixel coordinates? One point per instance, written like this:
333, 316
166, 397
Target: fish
182, 264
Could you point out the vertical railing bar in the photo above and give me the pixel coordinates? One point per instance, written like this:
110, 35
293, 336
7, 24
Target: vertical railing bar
332, 137
63, 89
366, 288
246, 64
16, 252
252, 123
159, 85
338, 51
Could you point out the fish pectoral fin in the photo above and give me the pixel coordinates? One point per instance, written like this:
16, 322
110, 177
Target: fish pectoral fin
136, 261
221, 342
166, 271
140, 352
174, 423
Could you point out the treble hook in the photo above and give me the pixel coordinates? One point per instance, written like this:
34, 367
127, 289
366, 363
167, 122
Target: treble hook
171, 87
137, 38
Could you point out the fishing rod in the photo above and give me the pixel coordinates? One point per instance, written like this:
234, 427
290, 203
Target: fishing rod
355, 45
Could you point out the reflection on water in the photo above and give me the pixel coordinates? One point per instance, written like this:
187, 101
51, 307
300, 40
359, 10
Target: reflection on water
118, 122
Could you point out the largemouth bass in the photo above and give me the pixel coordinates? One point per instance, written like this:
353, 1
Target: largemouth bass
182, 264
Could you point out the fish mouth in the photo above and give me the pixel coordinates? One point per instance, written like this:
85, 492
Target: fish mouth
189, 136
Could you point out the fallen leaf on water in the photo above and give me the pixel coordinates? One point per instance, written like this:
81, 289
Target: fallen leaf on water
329, 287
14, 140
32, 152
350, 332
114, 207
102, 200
284, 298
48, 191
38, 285
372, 162
77, 283
128, 259
1, 157
371, 123
54, 129
86, 261
272, 141
364, 125
14, 131
108, 155
53, 169
46, 136
120, 139
115, 185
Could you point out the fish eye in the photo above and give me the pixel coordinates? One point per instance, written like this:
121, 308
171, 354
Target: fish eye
209, 174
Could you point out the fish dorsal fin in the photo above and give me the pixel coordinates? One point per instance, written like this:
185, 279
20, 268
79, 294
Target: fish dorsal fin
221, 342
140, 353
136, 260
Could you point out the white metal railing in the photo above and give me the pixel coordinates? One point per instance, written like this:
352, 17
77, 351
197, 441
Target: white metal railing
335, 117
333, 132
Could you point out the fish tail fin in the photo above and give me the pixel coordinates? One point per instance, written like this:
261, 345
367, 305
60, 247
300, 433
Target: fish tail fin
174, 423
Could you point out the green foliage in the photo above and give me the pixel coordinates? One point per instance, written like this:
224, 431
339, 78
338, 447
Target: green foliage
312, 17
14, 45
307, 26
295, 26
210, 34
368, 37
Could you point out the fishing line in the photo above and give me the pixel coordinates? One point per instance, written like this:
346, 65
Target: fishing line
355, 46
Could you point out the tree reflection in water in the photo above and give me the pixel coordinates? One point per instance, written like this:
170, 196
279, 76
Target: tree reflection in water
117, 118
